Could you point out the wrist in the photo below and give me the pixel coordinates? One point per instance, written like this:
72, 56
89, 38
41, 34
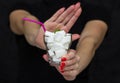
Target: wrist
39, 39
33, 33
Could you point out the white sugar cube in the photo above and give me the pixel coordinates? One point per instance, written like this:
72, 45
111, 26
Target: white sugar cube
56, 60
62, 32
57, 43
59, 35
57, 46
49, 45
66, 46
48, 33
49, 39
67, 38
66, 41
59, 53
51, 53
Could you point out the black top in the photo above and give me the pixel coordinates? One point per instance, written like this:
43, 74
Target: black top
105, 67
25, 64
44, 9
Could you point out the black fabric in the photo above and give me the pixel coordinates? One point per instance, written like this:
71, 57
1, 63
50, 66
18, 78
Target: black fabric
48, 8
105, 67
22, 63
45, 9
8, 50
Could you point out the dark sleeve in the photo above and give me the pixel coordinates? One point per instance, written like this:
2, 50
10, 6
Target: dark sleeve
31, 7
90, 12
19, 5
95, 12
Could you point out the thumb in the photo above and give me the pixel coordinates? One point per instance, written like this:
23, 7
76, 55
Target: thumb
45, 57
75, 37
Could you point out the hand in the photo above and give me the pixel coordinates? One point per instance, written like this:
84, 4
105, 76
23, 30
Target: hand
62, 19
69, 66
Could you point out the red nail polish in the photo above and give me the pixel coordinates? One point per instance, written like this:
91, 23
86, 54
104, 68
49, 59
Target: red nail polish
63, 59
62, 64
60, 68
62, 71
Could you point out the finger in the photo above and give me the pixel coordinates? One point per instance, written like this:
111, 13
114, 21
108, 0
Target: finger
57, 14
69, 16
63, 16
77, 5
73, 19
70, 74
45, 57
71, 67
75, 37
70, 55
75, 65
71, 62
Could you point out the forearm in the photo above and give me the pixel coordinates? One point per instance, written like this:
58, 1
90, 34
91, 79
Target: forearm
18, 26
34, 34
16, 22
91, 37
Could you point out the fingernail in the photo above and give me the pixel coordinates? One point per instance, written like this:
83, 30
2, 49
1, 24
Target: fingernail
62, 64
63, 59
61, 68
62, 71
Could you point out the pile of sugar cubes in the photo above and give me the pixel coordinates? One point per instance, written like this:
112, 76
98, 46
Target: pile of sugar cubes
57, 44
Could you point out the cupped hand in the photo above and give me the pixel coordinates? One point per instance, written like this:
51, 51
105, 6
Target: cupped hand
69, 66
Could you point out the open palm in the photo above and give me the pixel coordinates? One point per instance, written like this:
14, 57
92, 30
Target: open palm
62, 20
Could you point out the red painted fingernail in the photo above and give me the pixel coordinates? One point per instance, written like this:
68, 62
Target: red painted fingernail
62, 71
62, 64
63, 59
61, 68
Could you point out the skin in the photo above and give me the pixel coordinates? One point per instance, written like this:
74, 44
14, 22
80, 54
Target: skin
76, 60
34, 36
62, 19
